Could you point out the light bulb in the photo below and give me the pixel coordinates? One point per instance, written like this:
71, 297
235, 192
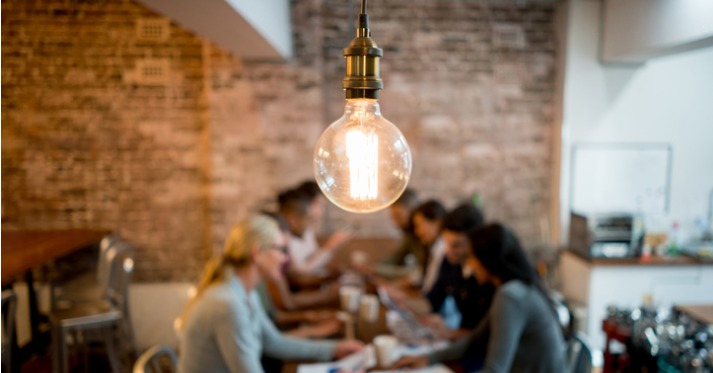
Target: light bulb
362, 162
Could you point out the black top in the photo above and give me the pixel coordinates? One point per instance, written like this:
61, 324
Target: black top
472, 299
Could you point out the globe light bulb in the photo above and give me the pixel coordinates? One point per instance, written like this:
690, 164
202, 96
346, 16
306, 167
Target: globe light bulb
362, 162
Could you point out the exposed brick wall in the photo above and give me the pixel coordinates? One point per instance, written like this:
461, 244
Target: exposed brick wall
173, 165
83, 146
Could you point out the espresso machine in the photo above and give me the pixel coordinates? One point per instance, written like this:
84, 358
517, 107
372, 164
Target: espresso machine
606, 235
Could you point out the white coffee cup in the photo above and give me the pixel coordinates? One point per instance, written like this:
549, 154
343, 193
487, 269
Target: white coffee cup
385, 346
349, 298
369, 308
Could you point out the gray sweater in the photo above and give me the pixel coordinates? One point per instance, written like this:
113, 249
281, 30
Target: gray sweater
226, 333
523, 334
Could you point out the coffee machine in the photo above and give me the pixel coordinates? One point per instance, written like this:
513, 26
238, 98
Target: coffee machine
606, 235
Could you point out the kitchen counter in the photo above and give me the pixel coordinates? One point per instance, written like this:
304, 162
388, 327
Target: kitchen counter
654, 260
597, 283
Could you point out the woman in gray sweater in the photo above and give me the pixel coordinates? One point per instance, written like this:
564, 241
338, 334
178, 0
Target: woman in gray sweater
224, 328
521, 329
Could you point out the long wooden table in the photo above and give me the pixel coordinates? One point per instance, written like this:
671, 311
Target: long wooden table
24, 250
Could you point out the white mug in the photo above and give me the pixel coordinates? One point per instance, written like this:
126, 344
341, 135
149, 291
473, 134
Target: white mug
349, 298
385, 346
369, 308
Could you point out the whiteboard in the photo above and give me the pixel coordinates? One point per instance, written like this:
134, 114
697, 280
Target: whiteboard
631, 178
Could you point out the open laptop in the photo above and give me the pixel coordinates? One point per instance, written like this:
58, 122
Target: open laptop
413, 324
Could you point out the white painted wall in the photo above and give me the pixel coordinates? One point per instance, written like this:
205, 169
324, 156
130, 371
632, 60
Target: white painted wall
667, 100
635, 30
154, 307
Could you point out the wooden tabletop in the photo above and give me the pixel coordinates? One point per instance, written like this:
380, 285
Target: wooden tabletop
700, 312
23, 250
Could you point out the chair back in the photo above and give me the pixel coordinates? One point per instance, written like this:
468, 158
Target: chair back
579, 355
103, 265
120, 259
9, 304
157, 359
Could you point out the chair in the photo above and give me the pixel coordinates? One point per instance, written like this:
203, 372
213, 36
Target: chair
9, 304
109, 316
579, 355
89, 287
157, 359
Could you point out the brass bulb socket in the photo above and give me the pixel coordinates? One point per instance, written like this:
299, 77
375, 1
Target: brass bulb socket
362, 78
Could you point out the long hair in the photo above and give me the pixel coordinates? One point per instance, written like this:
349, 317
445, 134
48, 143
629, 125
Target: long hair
499, 251
255, 230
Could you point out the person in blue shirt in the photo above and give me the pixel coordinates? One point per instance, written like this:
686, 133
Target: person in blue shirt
224, 328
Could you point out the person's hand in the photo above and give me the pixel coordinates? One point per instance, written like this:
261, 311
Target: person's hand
397, 295
432, 320
412, 362
318, 316
324, 328
337, 240
345, 348
456, 334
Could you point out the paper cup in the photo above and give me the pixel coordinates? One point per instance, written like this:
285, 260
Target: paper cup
385, 346
349, 298
369, 308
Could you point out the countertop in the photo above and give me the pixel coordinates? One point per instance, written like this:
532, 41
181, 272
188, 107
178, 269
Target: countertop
654, 260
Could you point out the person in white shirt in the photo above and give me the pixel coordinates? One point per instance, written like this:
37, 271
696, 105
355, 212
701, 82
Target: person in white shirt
307, 258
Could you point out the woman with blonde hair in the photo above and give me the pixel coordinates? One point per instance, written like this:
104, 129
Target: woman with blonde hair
224, 328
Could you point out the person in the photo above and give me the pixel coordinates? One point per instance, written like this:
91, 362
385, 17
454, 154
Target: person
318, 203
471, 298
307, 258
427, 220
395, 265
284, 304
224, 327
521, 328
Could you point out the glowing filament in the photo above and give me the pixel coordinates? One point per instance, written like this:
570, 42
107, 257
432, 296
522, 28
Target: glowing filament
363, 154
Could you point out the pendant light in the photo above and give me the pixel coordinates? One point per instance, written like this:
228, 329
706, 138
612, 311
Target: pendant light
362, 162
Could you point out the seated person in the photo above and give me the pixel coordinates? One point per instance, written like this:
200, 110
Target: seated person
471, 299
282, 303
307, 258
225, 328
318, 203
521, 327
396, 264
427, 220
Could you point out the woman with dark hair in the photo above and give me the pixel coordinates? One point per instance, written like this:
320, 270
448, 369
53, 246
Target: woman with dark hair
522, 331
